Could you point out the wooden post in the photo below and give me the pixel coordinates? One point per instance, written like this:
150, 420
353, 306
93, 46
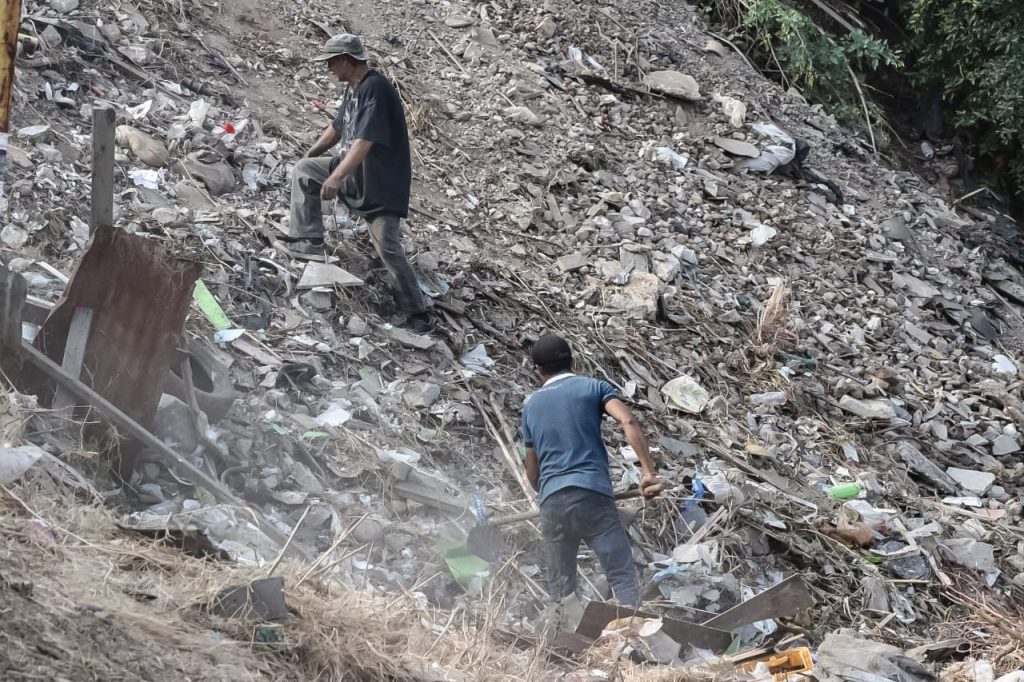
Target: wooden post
10, 18
74, 356
102, 168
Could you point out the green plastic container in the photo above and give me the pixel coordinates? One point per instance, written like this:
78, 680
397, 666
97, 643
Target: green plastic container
844, 491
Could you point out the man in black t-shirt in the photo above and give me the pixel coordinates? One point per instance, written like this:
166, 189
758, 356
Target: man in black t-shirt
372, 176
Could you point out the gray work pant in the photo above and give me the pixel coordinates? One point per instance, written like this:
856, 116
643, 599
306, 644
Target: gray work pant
573, 514
307, 222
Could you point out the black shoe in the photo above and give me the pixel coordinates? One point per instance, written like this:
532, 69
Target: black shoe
304, 249
419, 323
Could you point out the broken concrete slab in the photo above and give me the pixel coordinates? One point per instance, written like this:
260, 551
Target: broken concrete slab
326, 275
977, 482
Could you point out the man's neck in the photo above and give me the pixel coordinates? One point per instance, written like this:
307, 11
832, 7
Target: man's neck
559, 375
359, 75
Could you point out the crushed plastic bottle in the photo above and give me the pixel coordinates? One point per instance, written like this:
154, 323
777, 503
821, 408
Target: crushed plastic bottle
774, 398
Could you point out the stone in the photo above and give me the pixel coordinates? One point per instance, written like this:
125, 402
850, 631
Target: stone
357, 326
737, 147
150, 151
546, 28
369, 530
458, 21
64, 6
218, 177
175, 425
572, 262
421, 394
977, 482
111, 32
673, 83
14, 236
51, 36
638, 298
19, 158
1004, 445
666, 267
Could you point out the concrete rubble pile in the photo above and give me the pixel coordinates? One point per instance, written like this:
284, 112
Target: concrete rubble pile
826, 352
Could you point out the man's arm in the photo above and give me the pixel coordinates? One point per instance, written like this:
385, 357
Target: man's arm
533, 468
328, 138
650, 485
357, 153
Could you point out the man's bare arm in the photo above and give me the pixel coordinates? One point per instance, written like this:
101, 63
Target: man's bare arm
357, 153
532, 468
620, 412
328, 138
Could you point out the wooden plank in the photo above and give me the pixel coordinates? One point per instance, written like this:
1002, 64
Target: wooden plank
171, 457
12, 304
779, 601
102, 168
74, 354
598, 614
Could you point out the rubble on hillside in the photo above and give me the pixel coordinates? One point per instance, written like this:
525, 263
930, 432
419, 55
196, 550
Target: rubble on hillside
789, 318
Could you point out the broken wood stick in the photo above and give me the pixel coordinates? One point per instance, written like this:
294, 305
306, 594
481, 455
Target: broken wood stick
516, 467
171, 457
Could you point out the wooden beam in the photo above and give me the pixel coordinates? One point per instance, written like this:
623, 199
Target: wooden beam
12, 302
102, 168
170, 456
74, 356
10, 19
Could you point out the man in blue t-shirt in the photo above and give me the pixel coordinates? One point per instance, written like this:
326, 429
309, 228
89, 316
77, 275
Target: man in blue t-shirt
567, 464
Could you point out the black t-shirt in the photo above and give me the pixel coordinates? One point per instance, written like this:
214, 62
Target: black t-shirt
373, 112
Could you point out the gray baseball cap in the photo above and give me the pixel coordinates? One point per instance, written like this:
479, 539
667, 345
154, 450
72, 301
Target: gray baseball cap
343, 43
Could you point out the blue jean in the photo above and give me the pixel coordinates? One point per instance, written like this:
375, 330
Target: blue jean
573, 514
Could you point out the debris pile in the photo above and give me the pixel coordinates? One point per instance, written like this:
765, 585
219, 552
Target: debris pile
825, 352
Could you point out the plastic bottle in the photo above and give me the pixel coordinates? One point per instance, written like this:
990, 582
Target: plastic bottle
774, 398
844, 491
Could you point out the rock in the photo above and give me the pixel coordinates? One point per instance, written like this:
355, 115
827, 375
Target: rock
914, 286
421, 394
546, 28
175, 425
151, 152
19, 158
1003, 365
64, 6
458, 21
51, 36
977, 482
111, 32
1004, 445
14, 236
572, 262
357, 326
218, 177
737, 147
189, 194
868, 409
522, 115
673, 83
638, 298
666, 267
369, 530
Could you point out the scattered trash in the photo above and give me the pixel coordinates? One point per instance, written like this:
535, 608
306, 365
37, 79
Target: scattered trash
686, 394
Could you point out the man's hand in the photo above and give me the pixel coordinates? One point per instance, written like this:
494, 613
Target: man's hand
332, 187
650, 485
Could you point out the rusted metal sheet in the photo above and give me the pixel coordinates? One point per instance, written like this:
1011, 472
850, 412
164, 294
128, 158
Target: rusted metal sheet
12, 303
139, 297
598, 614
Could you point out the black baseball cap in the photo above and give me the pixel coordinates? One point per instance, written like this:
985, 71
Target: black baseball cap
550, 349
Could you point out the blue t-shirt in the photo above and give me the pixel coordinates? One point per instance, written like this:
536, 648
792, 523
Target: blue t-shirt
562, 423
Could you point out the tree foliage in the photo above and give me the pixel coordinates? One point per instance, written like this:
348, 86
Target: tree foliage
974, 49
